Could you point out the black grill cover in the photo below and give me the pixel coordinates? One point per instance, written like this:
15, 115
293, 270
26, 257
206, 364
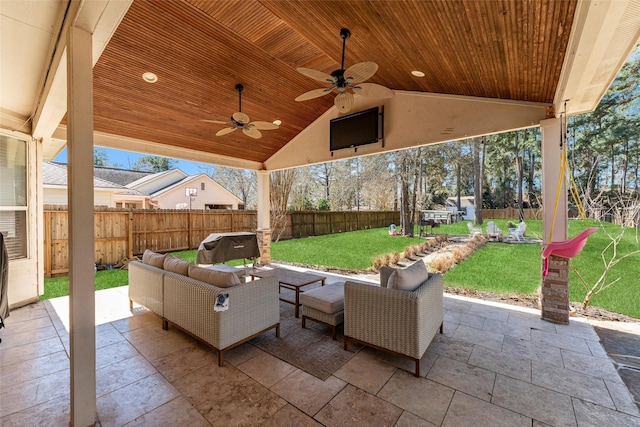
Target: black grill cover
222, 247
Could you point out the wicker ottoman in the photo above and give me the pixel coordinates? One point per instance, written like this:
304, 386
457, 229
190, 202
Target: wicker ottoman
324, 305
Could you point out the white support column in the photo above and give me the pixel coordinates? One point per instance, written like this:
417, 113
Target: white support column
82, 335
264, 217
554, 293
551, 169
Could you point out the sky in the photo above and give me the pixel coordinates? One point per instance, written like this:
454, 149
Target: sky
126, 160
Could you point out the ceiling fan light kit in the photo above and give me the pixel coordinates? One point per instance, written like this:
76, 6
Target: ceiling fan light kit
240, 120
346, 82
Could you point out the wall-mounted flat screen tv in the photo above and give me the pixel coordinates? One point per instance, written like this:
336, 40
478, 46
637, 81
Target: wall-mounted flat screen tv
355, 129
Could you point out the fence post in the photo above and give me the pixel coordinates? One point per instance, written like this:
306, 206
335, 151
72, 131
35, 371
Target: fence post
130, 233
47, 244
189, 229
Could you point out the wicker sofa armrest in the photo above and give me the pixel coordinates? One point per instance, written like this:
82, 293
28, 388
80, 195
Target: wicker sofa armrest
253, 307
145, 286
401, 321
385, 273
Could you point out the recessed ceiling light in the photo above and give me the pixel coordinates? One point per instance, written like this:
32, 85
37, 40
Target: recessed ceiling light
417, 73
149, 77
277, 122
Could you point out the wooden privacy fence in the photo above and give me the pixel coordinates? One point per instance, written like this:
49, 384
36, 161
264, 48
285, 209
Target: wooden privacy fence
511, 213
122, 233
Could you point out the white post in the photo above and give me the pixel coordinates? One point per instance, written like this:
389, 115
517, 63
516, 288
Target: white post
551, 169
554, 293
82, 335
264, 217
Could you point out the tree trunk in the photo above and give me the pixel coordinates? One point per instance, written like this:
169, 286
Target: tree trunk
477, 181
519, 180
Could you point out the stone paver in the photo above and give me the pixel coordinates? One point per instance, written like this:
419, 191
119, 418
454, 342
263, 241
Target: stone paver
494, 365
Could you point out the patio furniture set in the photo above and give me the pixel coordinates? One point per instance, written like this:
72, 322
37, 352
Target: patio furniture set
223, 309
494, 232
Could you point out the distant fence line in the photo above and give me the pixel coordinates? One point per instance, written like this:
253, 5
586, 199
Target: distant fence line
511, 213
123, 233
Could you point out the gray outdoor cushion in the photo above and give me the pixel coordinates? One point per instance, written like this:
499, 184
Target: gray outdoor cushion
176, 265
154, 259
221, 279
409, 278
327, 299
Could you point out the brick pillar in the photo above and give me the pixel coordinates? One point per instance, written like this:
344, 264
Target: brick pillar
554, 298
264, 243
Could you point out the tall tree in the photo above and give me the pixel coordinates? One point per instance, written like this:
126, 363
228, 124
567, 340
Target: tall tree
477, 179
240, 182
153, 164
100, 157
281, 183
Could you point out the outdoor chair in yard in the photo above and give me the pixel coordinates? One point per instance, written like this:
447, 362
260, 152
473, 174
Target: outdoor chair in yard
473, 231
518, 232
493, 232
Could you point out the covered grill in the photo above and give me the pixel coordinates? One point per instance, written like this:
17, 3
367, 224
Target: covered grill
222, 247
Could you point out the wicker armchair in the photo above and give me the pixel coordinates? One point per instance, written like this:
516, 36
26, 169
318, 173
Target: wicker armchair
397, 321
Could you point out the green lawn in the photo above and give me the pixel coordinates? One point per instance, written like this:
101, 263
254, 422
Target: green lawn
354, 250
59, 286
501, 268
496, 267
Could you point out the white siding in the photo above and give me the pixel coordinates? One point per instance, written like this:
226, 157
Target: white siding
213, 194
59, 196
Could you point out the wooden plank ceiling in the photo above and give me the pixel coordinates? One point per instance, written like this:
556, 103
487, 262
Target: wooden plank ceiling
200, 49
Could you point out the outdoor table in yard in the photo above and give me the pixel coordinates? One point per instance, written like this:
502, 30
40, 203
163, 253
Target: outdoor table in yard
290, 279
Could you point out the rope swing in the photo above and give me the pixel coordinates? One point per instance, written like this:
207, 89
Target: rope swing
572, 247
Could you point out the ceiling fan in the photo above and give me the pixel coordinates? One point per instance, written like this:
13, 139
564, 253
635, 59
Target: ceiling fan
342, 80
240, 120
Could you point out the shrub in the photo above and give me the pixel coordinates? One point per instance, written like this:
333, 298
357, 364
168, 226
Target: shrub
323, 205
394, 258
443, 263
379, 261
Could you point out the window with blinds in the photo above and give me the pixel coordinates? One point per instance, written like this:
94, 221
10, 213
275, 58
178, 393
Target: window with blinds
13, 195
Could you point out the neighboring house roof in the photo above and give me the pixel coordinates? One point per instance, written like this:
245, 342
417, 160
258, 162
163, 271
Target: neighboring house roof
56, 174
152, 184
119, 176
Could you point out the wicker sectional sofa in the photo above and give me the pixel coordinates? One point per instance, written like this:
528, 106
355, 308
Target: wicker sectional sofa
175, 294
400, 321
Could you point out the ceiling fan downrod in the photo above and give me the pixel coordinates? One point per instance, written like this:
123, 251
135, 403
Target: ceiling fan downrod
239, 88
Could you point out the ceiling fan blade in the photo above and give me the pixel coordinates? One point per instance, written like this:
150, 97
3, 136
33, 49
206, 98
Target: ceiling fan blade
241, 117
344, 101
317, 75
360, 72
315, 93
225, 131
373, 90
218, 122
252, 132
264, 125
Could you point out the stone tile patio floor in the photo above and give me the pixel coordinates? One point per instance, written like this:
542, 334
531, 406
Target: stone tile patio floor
495, 365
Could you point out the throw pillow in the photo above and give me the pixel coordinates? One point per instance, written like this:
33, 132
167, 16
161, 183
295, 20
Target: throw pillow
221, 279
176, 265
408, 279
154, 259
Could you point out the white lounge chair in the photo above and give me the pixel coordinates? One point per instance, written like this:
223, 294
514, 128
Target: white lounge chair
473, 230
493, 232
518, 232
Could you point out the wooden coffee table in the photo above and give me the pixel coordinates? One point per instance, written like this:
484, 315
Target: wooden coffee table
290, 279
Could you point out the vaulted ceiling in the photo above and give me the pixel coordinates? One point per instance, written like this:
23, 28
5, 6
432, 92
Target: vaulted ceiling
529, 51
